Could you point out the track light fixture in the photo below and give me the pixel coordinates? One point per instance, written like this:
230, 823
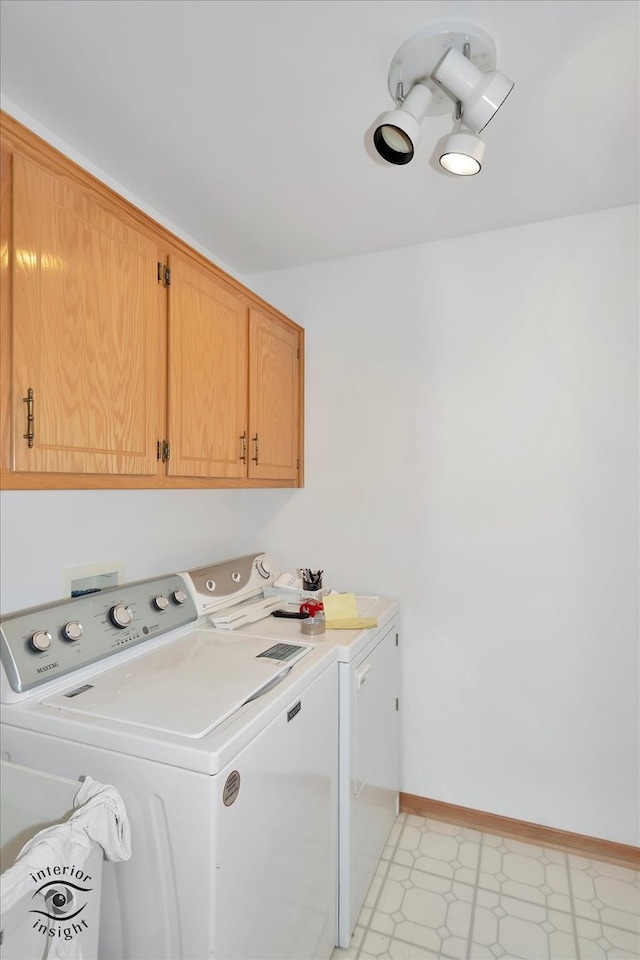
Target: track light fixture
443, 64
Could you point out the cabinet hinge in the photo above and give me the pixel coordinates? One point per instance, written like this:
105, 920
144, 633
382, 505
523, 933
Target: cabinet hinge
297, 463
164, 275
159, 451
164, 450
397, 705
298, 352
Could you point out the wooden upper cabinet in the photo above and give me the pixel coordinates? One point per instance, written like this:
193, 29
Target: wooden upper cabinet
207, 374
117, 378
274, 398
86, 332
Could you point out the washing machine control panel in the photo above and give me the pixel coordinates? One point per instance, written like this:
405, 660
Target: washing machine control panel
46, 642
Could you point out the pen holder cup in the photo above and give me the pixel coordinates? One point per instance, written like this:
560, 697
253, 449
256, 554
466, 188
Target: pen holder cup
311, 586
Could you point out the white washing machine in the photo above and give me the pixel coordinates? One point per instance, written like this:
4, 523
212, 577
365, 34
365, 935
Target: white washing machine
224, 748
369, 754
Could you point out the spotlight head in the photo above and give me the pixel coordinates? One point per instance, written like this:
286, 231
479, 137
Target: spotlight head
396, 136
481, 94
462, 154
397, 132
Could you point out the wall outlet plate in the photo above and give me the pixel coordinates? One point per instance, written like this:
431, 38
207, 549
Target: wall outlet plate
92, 577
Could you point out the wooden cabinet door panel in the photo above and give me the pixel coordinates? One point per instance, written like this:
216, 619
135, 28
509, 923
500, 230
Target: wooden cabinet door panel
274, 398
86, 331
207, 399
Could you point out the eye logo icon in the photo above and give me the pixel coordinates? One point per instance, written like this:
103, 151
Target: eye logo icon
62, 894
63, 901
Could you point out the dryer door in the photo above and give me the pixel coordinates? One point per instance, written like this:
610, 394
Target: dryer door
375, 730
369, 793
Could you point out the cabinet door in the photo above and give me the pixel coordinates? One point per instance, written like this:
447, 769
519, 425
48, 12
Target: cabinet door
274, 398
208, 345
85, 332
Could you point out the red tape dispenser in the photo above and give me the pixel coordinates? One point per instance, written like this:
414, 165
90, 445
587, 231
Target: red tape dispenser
311, 607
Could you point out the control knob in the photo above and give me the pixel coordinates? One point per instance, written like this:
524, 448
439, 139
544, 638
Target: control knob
160, 602
179, 596
263, 568
72, 630
41, 640
121, 615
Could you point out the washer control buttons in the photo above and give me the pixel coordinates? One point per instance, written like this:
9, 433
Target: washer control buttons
210, 585
263, 568
41, 640
235, 577
121, 615
72, 630
179, 596
160, 602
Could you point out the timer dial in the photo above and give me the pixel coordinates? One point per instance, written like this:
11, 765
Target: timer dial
72, 630
160, 602
179, 596
121, 615
41, 640
263, 568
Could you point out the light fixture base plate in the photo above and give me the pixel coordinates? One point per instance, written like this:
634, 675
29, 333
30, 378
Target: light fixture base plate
416, 59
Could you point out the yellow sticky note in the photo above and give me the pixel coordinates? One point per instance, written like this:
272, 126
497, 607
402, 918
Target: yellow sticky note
340, 606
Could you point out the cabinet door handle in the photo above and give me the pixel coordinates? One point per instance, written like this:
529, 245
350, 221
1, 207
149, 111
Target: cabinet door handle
29, 436
243, 441
257, 449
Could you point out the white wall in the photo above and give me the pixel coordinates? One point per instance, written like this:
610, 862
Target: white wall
45, 533
472, 447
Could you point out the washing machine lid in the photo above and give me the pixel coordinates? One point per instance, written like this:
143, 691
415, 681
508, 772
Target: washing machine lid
186, 688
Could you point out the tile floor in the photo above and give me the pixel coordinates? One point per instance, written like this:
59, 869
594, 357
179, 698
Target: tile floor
443, 891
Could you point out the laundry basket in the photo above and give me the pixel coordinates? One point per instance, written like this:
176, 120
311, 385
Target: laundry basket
58, 912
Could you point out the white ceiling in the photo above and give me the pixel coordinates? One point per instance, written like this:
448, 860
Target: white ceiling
243, 122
